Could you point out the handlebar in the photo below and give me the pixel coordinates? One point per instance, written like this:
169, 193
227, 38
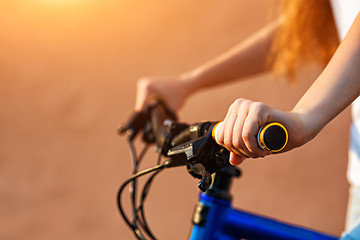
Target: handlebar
272, 136
193, 145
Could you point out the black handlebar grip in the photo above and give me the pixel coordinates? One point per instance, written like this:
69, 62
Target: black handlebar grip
273, 137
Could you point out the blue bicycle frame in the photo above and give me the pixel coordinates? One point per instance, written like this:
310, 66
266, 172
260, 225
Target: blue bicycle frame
214, 218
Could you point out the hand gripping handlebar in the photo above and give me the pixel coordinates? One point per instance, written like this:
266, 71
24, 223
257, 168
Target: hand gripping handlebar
193, 145
271, 136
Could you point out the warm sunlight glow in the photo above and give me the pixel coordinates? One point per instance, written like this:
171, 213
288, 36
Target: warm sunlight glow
62, 2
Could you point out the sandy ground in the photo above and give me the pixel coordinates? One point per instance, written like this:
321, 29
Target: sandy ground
68, 71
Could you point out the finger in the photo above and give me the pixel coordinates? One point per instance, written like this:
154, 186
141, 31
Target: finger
230, 132
220, 133
139, 102
229, 125
220, 130
237, 137
257, 117
228, 128
223, 131
142, 93
236, 159
241, 108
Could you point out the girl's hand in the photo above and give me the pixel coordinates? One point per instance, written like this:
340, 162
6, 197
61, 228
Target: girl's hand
172, 90
238, 131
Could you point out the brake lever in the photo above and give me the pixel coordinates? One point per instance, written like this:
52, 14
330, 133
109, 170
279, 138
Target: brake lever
203, 156
153, 113
136, 122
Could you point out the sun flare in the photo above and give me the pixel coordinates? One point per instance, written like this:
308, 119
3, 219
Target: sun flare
62, 2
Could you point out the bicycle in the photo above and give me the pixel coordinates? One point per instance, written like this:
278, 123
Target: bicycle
194, 146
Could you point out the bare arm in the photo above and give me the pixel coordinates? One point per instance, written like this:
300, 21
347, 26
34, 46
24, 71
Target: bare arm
336, 87
248, 57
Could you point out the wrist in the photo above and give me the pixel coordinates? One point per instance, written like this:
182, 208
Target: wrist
190, 81
308, 124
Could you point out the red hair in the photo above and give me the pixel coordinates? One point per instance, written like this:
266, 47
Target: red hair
307, 32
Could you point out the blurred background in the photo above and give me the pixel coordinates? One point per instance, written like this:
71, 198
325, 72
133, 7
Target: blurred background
68, 70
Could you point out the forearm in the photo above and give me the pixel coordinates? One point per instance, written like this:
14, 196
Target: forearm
336, 87
247, 58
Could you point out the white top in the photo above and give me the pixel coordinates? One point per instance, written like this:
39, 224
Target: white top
345, 12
